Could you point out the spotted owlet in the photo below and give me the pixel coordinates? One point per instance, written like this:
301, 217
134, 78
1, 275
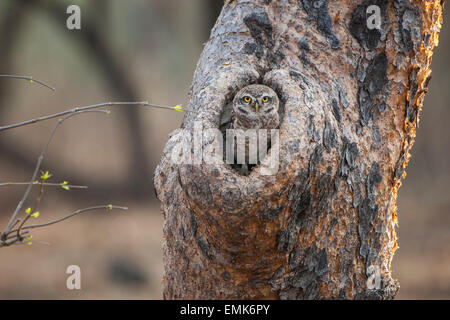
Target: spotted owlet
254, 107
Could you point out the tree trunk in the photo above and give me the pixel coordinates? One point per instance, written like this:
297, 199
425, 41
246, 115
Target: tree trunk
323, 225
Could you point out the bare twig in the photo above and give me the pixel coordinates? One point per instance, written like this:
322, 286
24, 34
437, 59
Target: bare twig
7, 184
15, 236
32, 210
107, 207
16, 222
18, 236
86, 108
38, 165
29, 78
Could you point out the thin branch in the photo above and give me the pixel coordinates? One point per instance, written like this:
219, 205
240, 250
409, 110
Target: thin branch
18, 237
28, 78
37, 201
80, 211
7, 184
85, 108
38, 165
16, 222
15, 235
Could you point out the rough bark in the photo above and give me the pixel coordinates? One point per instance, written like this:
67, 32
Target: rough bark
351, 99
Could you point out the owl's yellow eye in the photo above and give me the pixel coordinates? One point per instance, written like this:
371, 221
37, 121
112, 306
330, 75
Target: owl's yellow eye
247, 99
265, 99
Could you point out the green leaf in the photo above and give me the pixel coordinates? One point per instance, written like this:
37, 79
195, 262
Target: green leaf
46, 175
28, 211
178, 107
35, 215
65, 186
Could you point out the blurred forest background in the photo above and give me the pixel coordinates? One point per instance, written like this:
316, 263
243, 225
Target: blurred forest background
147, 50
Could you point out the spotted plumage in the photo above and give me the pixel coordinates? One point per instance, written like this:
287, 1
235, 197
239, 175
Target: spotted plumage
254, 107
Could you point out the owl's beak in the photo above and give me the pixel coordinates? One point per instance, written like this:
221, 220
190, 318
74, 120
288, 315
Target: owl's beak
257, 107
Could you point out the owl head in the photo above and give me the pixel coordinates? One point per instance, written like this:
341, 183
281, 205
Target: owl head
256, 106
